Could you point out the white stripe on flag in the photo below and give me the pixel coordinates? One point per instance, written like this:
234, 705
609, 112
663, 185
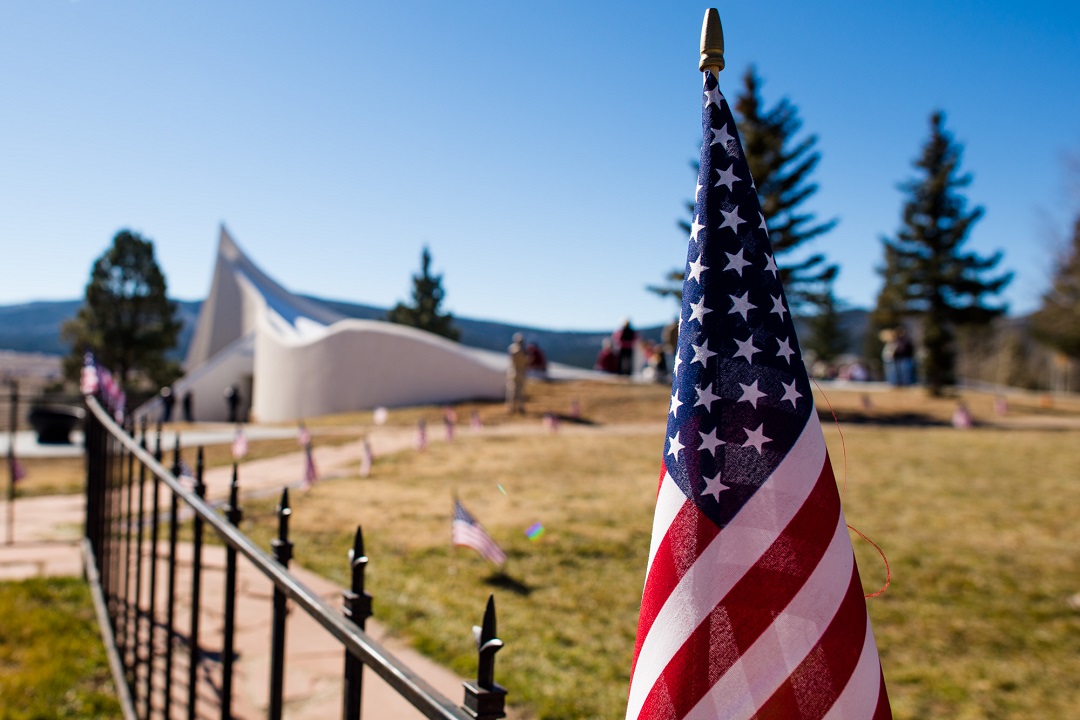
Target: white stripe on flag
728, 558
791, 636
860, 697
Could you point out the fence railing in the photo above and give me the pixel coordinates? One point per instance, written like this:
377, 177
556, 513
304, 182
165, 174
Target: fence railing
131, 500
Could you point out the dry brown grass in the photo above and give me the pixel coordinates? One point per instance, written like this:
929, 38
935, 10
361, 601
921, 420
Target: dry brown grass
975, 524
978, 527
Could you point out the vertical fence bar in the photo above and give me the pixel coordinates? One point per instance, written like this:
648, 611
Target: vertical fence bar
141, 653
282, 553
170, 600
103, 513
357, 604
151, 611
91, 437
196, 592
129, 621
234, 514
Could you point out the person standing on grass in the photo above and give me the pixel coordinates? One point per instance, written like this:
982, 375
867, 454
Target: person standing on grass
515, 375
624, 340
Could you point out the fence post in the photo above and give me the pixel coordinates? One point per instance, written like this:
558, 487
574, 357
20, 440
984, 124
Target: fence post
196, 592
485, 699
358, 609
151, 611
282, 553
170, 600
234, 514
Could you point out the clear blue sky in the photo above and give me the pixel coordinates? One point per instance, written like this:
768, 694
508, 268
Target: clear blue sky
542, 150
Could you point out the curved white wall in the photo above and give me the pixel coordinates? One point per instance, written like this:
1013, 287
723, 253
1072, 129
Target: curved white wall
361, 364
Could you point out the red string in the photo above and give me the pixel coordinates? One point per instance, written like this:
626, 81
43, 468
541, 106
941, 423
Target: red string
836, 421
888, 570
843, 446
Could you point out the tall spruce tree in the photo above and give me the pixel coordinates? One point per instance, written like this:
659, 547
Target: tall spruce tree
828, 339
928, 272
126, 319
427, 295
1057, 321
781, 166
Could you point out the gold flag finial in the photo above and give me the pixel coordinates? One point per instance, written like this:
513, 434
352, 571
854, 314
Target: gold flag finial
712, 43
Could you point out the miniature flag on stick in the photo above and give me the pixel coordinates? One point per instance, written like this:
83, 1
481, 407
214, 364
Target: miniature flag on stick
310, 474
753, 605
465, 531
88, 378
240, 444
421, 435
18, 471
366, 459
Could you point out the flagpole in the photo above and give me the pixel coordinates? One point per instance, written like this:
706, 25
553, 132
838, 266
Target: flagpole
712, 43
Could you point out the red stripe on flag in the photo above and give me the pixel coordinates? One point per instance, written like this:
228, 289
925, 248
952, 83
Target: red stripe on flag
748, 610
813, 687
690, 533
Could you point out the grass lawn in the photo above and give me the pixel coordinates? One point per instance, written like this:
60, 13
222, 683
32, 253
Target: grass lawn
52, 660
977, 525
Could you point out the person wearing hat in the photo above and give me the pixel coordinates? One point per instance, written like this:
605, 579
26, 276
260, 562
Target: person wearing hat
515, 375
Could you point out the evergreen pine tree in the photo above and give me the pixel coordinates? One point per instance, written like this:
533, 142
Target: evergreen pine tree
928, 272
781, 167
126, 320
1057, 321
828, 340
427, 295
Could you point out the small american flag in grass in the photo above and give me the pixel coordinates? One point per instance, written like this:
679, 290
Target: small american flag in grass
465, 531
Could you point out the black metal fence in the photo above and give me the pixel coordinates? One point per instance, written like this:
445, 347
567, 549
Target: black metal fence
132, 500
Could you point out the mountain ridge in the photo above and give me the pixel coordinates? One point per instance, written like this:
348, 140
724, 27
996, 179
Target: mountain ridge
34, 327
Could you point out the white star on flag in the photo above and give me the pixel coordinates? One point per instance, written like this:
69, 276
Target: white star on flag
698, 311
710, 442
677, 363
746, 349
784, 350
695, 228
727, 177
770, 265
674, 446
731, 220
713, 487
742, 305
751, 394
736, 262
778, 306
721, 136
695, 270
675, 403
755, 438
714, 96
702, 353
790, 393
706, 397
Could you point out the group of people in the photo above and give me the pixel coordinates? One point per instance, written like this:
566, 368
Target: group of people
617, 352
187, 404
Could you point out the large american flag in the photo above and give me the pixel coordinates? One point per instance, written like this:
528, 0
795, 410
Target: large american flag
752, 606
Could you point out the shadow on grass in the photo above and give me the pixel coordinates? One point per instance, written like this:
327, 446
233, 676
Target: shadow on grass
892, 419
505, 582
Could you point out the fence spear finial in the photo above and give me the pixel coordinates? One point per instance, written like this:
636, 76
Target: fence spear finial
712, 43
